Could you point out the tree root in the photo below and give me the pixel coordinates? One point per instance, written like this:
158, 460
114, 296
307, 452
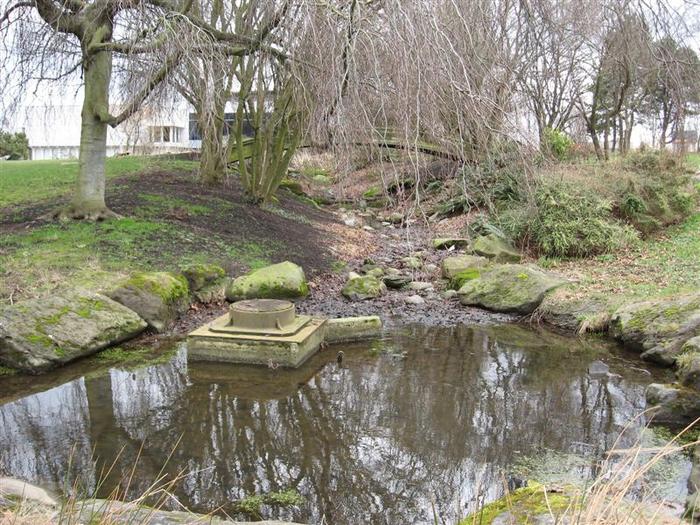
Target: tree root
73, 213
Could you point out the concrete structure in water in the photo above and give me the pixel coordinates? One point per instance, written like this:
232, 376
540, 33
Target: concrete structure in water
268, 332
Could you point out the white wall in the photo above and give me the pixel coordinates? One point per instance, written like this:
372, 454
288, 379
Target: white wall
53, 130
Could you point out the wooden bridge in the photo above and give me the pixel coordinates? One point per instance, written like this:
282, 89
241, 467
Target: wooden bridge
389, 142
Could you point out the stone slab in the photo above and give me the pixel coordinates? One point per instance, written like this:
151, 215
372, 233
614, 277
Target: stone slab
347, 329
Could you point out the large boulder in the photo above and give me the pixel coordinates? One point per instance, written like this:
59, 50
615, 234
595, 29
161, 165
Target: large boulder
496, 249
508, 288
570, 311
41, 334
207, 282
158, 297
284, 280
455, 264
362, 288
658, 328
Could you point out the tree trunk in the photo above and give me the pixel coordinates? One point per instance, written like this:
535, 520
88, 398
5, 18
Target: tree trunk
212, 164
89, 198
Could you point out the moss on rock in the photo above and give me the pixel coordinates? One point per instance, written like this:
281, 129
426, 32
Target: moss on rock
508, 288
284, 280
362, 288
451, 266
200, 275
658, 328
464, 276
496, 249
44, 333
158, 297
522, 506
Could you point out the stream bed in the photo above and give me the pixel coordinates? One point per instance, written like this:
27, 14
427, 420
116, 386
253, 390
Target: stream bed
426, 422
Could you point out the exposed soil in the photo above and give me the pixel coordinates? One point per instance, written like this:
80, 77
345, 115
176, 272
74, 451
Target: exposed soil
292, 229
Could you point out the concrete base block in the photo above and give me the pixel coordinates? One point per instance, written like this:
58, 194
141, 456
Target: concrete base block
347, 329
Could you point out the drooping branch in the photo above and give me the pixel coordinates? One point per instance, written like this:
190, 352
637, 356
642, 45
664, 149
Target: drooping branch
139, 97
19, 5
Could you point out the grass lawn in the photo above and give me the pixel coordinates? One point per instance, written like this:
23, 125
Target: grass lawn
28, 181
694, 160
663, 265
170, 220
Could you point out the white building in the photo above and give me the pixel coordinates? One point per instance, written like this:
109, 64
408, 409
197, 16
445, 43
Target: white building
54, 132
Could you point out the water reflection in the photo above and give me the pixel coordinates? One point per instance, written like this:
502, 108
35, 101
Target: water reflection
379, 440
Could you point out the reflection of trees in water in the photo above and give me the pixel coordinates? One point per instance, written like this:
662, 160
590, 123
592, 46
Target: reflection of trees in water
378, 438
40, 435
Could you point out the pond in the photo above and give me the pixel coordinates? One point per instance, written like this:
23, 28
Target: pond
425, 422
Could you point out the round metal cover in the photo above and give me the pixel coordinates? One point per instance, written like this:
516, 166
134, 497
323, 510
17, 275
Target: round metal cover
262, 314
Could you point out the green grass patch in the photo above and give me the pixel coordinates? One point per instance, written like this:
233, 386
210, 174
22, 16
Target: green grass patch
26, 181
98, 255
157, 205
664, 265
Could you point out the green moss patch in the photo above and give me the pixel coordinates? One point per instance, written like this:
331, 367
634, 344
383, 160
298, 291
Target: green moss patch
285, 498
523, 505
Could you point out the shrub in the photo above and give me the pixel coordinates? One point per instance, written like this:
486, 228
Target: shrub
557, 144
655, 191
567, 221
14, 145
574, 223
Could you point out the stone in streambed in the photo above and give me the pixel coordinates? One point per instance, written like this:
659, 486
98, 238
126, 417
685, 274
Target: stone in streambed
496, 249
397, 281
415, 300
284, 280
41, 334
508, 288
157, 297
363, 288
450, 242
420, 286
455, 264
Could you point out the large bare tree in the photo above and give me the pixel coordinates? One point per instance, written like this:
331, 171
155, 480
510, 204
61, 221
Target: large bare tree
52, 39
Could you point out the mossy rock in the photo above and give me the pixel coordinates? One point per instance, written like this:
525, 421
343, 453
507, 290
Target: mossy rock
158, 297
658, 328
200, 275
451, 266
496, 249
41, 334
207, 282
362, 288
397, 281
567, 311
284, 280
508, 288
527, 505
462, 277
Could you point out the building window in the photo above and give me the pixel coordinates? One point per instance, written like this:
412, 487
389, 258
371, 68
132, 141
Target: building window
165, 134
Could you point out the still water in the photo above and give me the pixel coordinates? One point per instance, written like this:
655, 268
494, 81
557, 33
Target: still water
425, 422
